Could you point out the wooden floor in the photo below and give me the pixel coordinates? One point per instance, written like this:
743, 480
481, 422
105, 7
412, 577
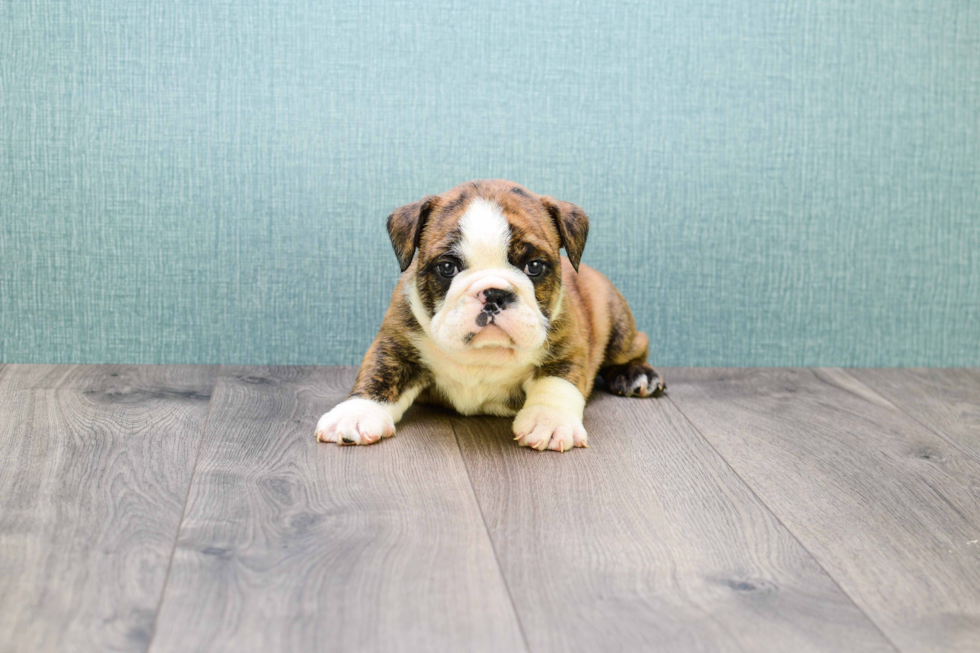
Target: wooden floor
190, 509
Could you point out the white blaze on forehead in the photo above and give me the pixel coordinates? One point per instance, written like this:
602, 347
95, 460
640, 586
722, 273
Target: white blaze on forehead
485, 236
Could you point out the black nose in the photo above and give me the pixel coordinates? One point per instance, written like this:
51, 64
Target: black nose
497, 299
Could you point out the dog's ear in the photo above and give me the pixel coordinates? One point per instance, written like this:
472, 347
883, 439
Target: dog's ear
572, 225
405, 227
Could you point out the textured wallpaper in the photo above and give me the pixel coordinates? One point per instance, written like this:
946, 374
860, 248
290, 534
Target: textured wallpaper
770, 183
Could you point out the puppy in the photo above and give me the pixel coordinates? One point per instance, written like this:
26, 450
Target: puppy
488, 318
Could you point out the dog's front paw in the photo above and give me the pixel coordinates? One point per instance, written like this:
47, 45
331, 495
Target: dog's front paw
356, 421
546, 427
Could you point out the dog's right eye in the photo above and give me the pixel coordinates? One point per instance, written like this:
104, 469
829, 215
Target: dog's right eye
447, 269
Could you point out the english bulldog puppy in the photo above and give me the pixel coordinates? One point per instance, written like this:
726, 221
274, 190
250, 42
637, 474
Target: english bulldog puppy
488, 318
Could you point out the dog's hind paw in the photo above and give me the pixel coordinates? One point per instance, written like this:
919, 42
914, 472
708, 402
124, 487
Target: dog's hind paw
633, 380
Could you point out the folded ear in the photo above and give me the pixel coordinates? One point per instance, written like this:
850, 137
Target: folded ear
573, 227
405, 227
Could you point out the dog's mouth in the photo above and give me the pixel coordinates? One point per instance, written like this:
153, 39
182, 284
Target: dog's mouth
490, 335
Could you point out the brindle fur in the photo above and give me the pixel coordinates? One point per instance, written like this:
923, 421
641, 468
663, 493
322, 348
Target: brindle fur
593, 333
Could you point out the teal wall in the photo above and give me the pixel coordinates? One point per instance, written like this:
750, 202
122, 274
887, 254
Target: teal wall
770, 183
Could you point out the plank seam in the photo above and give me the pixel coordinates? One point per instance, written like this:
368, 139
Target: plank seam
942, 436
183, 512
486, 529
780, 522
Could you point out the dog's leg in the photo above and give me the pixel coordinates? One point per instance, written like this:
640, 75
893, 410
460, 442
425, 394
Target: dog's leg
389, 380
624, 368
552, 415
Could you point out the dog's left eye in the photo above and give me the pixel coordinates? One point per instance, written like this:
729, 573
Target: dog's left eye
534, 269
447, 269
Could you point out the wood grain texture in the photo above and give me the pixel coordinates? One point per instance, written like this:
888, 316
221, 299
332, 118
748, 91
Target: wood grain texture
97, 461
648, 541
890, 509
291, 545
944, 400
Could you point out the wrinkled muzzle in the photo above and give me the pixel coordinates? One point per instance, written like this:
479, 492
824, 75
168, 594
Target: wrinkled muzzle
489, 308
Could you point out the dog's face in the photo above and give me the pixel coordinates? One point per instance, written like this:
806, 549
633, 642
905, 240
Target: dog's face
484, 268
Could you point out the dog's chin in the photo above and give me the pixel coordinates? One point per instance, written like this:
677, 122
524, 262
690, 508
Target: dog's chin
491, 356
491, 337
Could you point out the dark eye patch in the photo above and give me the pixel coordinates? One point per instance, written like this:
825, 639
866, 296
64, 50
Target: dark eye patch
521, 252
432, 282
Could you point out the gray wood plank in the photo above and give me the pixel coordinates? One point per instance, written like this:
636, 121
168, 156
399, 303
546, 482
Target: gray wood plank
648, 541
292, 545
944, 400
889, 509
97, 461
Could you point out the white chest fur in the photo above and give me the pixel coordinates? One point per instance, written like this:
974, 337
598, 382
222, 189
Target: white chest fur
476, 388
